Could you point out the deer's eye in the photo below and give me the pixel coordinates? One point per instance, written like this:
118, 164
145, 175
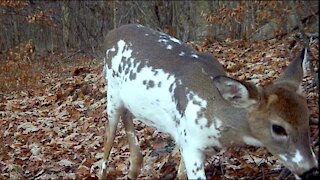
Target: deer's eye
279, 130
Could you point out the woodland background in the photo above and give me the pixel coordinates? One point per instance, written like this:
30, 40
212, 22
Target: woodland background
52, 92
82, 25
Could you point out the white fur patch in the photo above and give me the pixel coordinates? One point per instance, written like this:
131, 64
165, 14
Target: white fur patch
111, 49
305, 63
252, 141
192, 109
122, 52
193, 163
174, 40
104, 165
297, 157
199, 129
297, 177
166, 36
283, 157
203, 122
218, 123
203, 71
169, 47
163, 41
182, 53
194, 56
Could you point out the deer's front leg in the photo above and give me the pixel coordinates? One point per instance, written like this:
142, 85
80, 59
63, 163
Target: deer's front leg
182, 174
193, 160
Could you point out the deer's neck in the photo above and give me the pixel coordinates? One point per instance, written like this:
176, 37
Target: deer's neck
237, 130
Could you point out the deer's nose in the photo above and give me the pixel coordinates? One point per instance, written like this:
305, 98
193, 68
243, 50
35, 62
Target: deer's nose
312, 174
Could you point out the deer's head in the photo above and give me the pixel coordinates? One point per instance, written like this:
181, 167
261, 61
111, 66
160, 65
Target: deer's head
278, 116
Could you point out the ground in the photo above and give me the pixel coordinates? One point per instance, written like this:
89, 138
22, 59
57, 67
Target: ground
52, 116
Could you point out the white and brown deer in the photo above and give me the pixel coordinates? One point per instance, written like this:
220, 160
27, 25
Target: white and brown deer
166, 84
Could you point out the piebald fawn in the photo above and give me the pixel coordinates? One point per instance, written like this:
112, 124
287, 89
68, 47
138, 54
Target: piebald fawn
166, 84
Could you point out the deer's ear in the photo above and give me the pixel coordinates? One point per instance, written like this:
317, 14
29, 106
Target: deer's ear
297, 69
239, 94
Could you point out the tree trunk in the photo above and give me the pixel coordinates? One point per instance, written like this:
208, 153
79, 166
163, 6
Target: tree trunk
201, 28
65, 25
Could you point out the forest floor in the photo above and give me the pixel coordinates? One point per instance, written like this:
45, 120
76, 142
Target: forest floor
52, 116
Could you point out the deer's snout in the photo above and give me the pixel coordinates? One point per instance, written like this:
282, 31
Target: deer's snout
312, 174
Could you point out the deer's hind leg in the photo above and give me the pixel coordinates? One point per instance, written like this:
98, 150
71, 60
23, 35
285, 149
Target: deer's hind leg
114, 110
136, 159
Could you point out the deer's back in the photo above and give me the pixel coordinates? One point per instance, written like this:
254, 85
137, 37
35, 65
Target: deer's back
160, 51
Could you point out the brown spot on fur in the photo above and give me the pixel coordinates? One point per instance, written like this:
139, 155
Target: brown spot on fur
212, 137
200, 115
132, 75
177, 121
154, 72
114, 74
126, 71
194, 172
180, 97
129, 63
196, 102
123, 67
110, 56
120, 69
140, 66
171, 87
150, 84
197, 168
